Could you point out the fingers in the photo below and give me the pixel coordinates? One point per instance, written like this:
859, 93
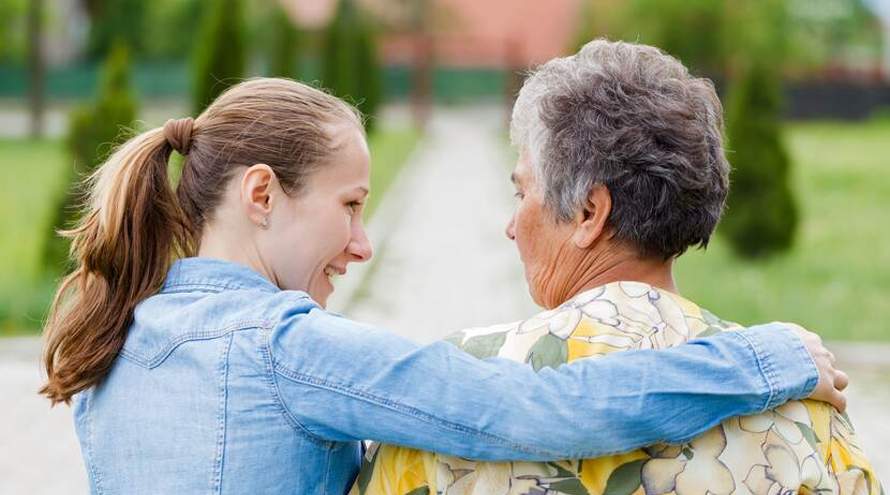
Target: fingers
838, 400
841, 380
827, 391
838, 381
832, 381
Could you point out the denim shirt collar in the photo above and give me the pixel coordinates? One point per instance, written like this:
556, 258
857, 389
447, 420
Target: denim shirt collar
215, 275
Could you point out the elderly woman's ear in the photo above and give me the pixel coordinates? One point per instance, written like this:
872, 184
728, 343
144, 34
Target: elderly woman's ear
590, 221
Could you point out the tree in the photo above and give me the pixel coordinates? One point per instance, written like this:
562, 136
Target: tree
113, 21
36, 67
93, 132
762, 216
170, 25
283, 45
220, 52
12, 39
350, 67
690, 30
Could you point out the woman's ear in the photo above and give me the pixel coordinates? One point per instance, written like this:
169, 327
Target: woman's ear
257, 188
590, 222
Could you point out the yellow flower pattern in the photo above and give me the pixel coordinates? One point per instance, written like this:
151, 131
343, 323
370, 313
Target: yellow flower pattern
799, 447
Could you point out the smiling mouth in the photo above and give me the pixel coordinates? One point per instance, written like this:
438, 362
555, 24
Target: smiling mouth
333, 271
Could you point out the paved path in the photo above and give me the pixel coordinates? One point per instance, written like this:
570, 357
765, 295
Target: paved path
440, 239
39, 453
442, 263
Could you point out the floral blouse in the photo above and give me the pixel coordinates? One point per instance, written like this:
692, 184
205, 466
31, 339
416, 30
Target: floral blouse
800, 447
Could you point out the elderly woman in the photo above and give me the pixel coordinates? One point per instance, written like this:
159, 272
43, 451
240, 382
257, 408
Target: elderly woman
621, 170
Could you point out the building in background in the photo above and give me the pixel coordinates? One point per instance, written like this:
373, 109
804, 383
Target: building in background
465, 33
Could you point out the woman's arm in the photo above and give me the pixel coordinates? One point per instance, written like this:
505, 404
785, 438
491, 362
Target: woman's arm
340, 380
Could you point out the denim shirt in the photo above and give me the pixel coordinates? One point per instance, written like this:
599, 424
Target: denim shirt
228, 384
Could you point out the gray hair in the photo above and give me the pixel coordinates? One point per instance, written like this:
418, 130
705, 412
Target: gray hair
633, 119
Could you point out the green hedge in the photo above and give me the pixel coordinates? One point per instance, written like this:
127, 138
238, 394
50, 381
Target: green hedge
172, 80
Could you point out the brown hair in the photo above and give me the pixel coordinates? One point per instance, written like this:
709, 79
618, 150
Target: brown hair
134, 225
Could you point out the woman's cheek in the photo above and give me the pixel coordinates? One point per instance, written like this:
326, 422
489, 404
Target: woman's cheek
339, 234
527, 224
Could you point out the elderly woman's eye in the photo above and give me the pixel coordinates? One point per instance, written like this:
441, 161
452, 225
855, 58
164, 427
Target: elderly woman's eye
353, 206
518, 195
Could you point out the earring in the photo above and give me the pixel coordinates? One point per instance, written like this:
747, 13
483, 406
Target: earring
265, 223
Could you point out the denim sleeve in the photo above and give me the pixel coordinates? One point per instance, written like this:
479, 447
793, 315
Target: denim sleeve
339, 380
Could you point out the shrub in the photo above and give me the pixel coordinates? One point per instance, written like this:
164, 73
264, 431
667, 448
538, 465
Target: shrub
170, 25
94, 129
284, 45
762, 216
219, 59
113, 21
350, 67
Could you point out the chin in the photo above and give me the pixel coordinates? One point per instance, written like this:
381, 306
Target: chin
535, 295
321, 299
537, 299
321, 296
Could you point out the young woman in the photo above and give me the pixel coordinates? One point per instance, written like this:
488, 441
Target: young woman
193, 340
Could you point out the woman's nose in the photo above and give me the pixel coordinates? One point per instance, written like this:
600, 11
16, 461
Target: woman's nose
360, 246
511, 233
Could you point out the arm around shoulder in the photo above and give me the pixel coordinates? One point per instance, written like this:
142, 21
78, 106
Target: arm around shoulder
341, 380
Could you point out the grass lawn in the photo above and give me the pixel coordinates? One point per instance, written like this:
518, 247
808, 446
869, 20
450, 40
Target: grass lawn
836, 281
389, 150
31, 174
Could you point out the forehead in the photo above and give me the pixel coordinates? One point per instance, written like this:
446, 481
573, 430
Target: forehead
349, 163
522, 172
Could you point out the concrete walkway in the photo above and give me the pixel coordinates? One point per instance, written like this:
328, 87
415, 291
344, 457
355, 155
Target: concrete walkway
442, 263
439, 236
39, 453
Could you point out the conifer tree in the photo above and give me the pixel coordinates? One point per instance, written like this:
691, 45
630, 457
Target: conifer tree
94, 130
761, 218
284, 46
350, 66
220, 58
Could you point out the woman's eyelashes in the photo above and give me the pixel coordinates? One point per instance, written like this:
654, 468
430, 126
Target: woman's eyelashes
518, 195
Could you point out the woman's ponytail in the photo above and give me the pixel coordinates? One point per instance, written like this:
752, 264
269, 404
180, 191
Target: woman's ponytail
134, 225
123, 246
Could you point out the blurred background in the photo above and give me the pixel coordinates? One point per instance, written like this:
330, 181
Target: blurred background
805, 86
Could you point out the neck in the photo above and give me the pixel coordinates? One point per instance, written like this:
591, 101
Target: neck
616, 264
217, 244
654, 272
